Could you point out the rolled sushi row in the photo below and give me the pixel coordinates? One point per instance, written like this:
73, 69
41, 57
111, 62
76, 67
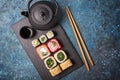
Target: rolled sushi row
59, 57
59, 68
44, 50
43, 38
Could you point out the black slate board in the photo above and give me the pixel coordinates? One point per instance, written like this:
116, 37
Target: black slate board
38, 63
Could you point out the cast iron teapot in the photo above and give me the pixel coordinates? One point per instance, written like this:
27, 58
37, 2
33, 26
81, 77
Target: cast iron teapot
42, 15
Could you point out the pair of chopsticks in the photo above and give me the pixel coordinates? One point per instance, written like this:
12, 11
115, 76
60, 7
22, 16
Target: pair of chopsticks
80, 40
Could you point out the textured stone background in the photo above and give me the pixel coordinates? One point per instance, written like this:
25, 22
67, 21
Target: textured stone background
99, 23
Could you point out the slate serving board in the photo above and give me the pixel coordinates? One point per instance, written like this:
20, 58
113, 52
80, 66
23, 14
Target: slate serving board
37, 62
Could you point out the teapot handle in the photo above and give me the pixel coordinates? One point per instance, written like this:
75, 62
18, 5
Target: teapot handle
29, 5
55, 2
26, 13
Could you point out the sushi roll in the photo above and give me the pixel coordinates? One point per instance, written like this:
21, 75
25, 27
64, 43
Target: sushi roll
50, 62
43, 51
35, 42
53, 45
60, 56
43, 39
55, 71
50, 34
66, 64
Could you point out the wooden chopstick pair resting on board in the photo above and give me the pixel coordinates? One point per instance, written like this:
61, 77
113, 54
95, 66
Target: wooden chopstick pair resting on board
80, 40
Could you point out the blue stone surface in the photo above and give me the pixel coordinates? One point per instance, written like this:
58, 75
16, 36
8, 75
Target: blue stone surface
99, 23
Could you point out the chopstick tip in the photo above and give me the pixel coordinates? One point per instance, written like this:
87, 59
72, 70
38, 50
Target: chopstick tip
67, 7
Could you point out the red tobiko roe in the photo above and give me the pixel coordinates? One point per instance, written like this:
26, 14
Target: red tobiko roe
53, 45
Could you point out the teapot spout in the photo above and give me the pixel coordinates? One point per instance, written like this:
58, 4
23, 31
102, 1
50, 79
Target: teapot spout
25, 13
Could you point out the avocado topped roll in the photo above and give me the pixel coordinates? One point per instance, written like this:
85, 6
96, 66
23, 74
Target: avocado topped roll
50, 34
50, 62
60, 56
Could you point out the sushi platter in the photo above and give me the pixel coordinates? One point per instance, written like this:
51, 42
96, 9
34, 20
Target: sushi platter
50, 51
45, 42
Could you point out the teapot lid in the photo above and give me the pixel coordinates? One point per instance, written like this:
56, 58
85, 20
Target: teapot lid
41, 14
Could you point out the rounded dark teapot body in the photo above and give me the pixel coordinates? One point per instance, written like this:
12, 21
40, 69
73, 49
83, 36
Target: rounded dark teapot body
43, 15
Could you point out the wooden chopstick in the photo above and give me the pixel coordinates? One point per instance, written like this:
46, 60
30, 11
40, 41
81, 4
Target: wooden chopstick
80, 46
81, 39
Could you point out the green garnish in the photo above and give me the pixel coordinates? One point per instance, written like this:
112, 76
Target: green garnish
43, 38
50, 62
60, 56
44, 53
54, 43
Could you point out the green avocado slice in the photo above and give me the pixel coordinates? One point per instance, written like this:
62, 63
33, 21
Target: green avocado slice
60, 56
50, 62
